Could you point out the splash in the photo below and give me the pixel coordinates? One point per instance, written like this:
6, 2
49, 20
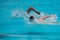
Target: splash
15, 13
20, 13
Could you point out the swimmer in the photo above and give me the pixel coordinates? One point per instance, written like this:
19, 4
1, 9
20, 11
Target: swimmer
41, 19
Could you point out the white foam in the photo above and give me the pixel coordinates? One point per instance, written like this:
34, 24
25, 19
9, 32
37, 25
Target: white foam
16, 13
52, 19
49, 21
20, 13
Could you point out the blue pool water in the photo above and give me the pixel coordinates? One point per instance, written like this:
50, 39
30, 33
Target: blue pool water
10, 25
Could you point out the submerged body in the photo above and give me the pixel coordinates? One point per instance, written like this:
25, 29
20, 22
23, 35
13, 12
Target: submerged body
42, 19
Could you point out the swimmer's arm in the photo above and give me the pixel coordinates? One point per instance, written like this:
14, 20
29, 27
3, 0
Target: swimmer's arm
44, 17
31, 8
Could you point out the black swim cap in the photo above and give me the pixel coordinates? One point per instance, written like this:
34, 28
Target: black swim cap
31, 18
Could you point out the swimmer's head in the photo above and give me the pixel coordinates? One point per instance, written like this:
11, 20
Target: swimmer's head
31, 18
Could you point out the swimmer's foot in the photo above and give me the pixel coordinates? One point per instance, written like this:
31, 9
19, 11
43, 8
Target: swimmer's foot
15, 15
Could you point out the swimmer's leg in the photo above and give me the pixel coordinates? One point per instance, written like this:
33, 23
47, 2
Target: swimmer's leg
31, 8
